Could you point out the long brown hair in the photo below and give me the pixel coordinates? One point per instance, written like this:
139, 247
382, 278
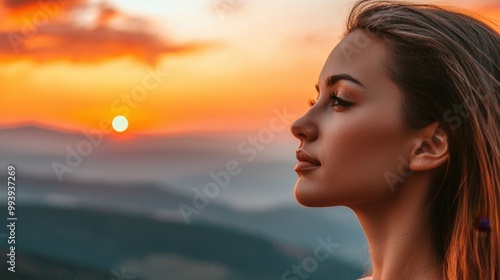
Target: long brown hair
447, 65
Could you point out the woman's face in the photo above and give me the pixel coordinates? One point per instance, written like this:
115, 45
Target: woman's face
353, 138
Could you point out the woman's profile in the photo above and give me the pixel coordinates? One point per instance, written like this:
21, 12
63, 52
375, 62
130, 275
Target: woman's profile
406, 132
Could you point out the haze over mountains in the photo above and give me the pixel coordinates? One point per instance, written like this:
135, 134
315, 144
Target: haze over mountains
181, 161
147, 178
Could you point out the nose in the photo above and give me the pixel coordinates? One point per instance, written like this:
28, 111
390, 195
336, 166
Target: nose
305, 128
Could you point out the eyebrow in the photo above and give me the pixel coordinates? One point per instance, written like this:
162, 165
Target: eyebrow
332, 80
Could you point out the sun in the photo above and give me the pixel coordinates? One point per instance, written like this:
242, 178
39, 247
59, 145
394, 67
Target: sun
120, 123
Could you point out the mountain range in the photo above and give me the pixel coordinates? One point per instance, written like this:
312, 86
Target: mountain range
108, 217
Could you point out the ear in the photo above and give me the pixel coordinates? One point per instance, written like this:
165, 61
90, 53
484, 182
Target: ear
431, 149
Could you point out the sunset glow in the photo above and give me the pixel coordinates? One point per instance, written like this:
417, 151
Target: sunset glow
75, 65
177, 125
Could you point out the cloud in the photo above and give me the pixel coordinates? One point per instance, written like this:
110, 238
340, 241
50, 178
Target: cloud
18, 4
107, 13
81, 32
18, 8
82, 45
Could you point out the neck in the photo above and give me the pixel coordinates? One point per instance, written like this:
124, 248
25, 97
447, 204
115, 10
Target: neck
398, 231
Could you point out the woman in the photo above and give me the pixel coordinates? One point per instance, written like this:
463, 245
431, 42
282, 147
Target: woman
406, 132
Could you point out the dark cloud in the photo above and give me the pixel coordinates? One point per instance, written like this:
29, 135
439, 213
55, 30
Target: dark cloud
29, 7
106, 14
16, 4
46, 33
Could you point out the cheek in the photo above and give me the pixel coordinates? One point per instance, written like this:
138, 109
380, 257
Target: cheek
357, 151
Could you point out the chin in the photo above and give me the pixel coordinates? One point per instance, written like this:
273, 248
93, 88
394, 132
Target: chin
306, 196
311, 195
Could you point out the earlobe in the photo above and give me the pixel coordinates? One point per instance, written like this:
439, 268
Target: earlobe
430, 150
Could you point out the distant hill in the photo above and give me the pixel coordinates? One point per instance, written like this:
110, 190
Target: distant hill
87, 223
58, 243
293, 224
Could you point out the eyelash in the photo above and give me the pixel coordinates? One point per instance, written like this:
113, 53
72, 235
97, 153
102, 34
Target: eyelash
333, 98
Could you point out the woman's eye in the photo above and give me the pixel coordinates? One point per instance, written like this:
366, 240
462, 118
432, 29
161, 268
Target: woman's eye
336, 101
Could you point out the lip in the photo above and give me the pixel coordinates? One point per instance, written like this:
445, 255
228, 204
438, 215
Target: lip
306, 162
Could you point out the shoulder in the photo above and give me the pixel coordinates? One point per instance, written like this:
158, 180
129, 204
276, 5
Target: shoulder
366, 278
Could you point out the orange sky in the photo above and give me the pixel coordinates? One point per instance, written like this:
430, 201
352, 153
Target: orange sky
74, 64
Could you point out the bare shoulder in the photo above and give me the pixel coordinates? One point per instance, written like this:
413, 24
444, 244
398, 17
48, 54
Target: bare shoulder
366, 278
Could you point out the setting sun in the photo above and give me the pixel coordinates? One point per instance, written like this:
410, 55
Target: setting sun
120, 123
